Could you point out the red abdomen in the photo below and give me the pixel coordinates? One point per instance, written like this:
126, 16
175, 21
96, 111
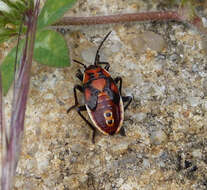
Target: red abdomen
107, 116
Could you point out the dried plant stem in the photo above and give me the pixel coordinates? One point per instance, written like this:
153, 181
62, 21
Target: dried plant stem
181, 15
119, 18
1, 112
21, 88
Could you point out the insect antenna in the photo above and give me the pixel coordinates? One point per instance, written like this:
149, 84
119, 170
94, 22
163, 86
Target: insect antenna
97, 53
80, 63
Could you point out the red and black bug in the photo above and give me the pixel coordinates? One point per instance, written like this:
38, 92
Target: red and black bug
103, 99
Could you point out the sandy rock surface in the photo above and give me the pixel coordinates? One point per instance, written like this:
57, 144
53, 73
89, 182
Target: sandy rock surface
164, 68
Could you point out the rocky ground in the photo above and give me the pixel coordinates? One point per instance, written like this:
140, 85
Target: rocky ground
164, 68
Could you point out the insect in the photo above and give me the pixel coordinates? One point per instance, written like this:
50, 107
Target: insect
103, 99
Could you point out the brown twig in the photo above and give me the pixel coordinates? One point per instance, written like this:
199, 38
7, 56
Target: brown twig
118, 18
181, 15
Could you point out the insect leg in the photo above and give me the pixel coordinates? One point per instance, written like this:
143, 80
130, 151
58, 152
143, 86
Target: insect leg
107, 65
127, 99
122, 132
119, 79
79, 75
79, 63
83, 108
80, 88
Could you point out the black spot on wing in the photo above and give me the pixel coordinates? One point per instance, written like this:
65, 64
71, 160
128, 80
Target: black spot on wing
112, 95
92, 102
115, 97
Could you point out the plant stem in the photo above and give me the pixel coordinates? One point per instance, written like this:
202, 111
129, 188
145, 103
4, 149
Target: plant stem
181, 15
21, 88
130, 17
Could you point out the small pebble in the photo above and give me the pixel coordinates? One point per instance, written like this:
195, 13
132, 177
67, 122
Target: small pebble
148, 40
194, 101
146, 163
153, 41
120, 147
42, 160
204, 105
158, 137
197, 153
140, 116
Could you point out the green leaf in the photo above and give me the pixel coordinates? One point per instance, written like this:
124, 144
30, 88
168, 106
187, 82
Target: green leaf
5, 32
7, 67
52, 11
51, 49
